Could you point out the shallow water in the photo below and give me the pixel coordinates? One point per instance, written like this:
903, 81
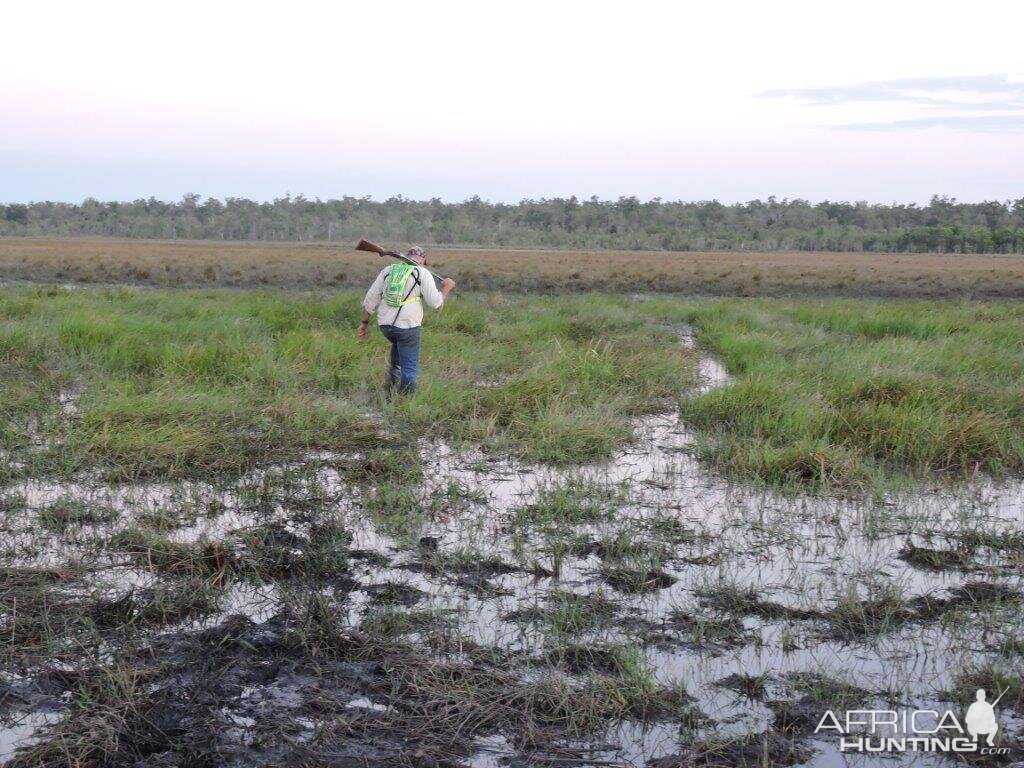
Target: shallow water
20, 732
801, 552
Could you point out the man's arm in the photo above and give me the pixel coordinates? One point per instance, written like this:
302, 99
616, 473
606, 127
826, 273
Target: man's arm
370, 302
433, 297
374, 294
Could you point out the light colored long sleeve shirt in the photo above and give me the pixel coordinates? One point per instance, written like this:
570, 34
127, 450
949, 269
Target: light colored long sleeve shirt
420, 282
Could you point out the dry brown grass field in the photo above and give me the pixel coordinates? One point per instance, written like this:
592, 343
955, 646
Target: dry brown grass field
289, 265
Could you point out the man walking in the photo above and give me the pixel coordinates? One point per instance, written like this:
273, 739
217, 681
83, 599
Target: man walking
397, 296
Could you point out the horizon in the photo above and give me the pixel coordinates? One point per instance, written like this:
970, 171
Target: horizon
293, 197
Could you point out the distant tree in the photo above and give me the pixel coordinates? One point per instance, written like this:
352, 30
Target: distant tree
945, 224
16, 213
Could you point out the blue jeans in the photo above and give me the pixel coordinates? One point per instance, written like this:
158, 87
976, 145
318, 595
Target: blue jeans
405, 357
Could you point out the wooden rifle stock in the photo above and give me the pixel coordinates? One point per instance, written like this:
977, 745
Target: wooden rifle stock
366, 245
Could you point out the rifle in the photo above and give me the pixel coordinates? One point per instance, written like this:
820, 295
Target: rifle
366, 245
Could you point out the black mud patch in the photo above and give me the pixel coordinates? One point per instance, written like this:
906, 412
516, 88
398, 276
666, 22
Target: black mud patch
926, 559
605, 550
971, 595
394, 593
699, 633
301, 689
747, 602
568, 610
262, 553
813, 694
999, 542
853, 619
637, 580
471, 572
753, 687
369, 557
752, 751
581, 659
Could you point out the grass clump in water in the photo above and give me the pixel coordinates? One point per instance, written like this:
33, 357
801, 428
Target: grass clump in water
882, 611
930, 559
995, 678
391, 621
67, 513
566, 614
574, 501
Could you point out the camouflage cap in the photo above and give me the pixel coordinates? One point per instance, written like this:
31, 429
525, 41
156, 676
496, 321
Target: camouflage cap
416, 251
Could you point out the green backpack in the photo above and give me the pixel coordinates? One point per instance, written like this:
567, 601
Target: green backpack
394, 288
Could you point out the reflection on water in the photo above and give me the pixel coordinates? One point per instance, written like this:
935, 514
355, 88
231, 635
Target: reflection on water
799, 552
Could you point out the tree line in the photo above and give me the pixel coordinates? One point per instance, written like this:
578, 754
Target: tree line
943, 225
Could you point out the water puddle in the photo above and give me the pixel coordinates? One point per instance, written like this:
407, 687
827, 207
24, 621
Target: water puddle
708, 579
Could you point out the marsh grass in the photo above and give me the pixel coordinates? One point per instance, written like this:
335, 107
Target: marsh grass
164, 519
863, 395
555, 381
175, 384
753, 687
67, 513
733, 599
165, 604
46, 615
566, 614
620, 660
1006, 541
882, 611
482, 694
670, 530
620, 545
927, 558
709, 632
995, 678
572, 501
157, 552
110, 713
39, 618
12, 502
637, 576
391, 621
840, 395
397, 510
828, 692
753, 750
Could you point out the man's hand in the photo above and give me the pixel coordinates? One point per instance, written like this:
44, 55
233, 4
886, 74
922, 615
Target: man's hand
364, 330
447, 286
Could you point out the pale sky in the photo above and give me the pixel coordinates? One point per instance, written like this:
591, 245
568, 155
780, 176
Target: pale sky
876, 101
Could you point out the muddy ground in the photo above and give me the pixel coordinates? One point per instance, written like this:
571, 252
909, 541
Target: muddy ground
636, 612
